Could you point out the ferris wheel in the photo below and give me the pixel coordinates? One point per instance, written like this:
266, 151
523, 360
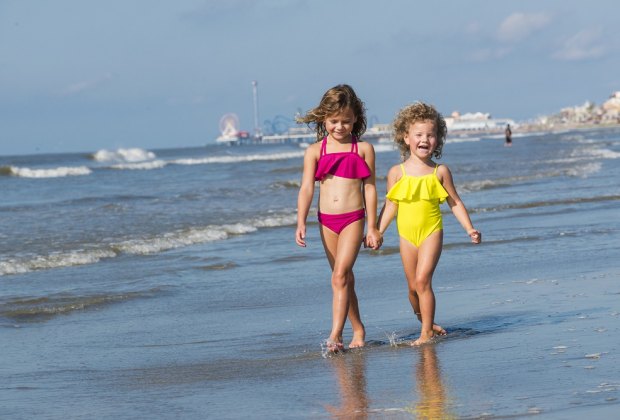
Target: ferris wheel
229, 126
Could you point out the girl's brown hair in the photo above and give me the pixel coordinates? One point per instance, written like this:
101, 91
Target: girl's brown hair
335, 100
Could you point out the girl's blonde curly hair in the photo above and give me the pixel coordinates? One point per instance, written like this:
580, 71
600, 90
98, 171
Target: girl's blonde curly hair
418, 112
335, 100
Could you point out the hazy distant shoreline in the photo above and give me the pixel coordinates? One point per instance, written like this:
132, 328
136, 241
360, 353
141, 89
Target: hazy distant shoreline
533, 128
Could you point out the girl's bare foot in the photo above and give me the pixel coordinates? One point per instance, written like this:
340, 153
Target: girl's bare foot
425, 337
438, 330
334, 347
358, 339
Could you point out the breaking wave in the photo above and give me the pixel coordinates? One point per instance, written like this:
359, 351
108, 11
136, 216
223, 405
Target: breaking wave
142, 245
123, 155
61, 171
238, 158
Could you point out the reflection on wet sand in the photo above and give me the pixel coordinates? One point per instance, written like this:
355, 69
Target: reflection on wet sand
433, 400
350, 372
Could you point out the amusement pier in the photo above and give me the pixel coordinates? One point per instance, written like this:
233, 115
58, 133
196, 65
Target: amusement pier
283, 132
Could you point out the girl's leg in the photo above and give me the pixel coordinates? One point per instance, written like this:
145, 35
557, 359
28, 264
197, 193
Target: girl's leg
414, 300
359, 332
419, 265
341, 251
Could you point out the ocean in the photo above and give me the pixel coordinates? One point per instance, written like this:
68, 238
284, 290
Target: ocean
167, 284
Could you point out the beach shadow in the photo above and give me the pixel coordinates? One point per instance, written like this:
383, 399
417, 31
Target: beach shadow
433, 399
350, 373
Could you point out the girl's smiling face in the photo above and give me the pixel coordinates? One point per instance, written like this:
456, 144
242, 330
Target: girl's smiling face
340, 125
421, 137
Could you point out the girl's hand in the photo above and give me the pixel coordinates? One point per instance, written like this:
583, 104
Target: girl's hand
475, 235
374, 239
300, 236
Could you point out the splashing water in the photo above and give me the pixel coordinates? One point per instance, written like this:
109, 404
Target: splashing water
392, 339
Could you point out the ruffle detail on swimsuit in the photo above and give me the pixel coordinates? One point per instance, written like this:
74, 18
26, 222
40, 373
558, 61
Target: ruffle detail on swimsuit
346, 165
414, 188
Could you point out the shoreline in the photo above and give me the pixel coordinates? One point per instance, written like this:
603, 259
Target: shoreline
535, 128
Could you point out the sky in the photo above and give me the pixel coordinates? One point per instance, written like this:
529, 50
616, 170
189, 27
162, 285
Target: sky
86, 75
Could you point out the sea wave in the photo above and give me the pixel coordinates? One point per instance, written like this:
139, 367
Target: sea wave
143, 245
53, 260
44, 308
60, 171
385, 147
155, 164
238, 158
462, 139
180, 238
123, 155
583, 171
487, 184
285, 184
548, 203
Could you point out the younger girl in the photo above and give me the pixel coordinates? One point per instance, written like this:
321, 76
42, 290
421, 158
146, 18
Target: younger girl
415, 189
345, 169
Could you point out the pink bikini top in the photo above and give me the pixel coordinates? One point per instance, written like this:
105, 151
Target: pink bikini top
342, 164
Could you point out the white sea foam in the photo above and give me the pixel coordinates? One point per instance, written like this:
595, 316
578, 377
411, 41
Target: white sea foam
155, 164
385, 147
462, 139
169, 241
238, 158
123, 155
602, 153
144, 246
61, 171
583, 171
54, 260
480, 185
276, 220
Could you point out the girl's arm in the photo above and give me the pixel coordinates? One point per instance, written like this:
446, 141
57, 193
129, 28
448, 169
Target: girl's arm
389, 210
456, 204
306, 193
373, 237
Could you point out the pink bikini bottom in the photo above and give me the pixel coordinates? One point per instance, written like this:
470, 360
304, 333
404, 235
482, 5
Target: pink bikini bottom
337, 222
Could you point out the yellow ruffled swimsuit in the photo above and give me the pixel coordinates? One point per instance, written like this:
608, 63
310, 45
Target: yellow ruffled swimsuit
418, 199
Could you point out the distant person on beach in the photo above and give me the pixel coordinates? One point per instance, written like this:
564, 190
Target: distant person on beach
508, 133
415, 188
345, 168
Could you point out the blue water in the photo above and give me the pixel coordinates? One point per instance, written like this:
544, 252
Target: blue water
167, 284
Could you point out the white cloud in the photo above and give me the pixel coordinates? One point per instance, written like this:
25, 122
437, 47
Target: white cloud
519, 26
85, 85
584, 45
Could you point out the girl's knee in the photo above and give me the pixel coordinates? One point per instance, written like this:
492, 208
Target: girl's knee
341, 278
422, 282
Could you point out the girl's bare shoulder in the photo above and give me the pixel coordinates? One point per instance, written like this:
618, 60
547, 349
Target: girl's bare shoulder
365, 148
364, 145
443, 169
313, 150
395, 172
443, 173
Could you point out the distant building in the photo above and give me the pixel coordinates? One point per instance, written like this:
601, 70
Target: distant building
477, 121
588, 113
611, 109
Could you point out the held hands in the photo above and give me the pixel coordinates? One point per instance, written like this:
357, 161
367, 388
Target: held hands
373, 239
475, 235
